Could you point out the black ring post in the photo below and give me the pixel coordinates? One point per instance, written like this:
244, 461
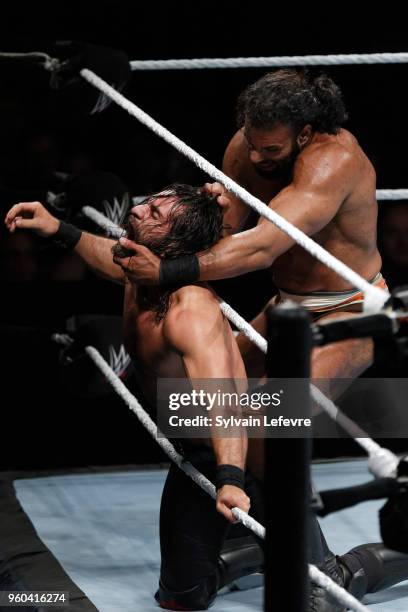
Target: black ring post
287, 481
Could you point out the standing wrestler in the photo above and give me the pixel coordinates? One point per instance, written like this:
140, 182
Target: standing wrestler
292, 152
180, 332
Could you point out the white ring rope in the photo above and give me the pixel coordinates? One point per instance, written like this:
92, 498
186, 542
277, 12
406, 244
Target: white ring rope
392, 194
382, 195
342, 59
374, 298
153, 430
334, 589
243, 326
382, 462
104, 222
51, 63
315, 574
48, 62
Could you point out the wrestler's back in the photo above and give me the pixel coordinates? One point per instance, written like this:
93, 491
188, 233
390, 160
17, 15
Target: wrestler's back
351, 235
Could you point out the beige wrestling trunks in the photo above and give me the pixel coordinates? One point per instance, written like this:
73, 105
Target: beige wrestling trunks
321, 303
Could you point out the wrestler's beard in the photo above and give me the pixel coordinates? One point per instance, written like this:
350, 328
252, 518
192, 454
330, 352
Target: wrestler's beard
283, 171
138, 233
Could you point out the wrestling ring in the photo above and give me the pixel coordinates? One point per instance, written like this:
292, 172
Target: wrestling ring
120, 564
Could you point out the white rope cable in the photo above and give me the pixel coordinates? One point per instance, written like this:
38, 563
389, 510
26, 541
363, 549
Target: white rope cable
104, 222
392, 194
374, 298
381, 194
382, 462
336, 591
340, 59
243, 326
147, 422
48, 62
120, 388
51, 63
132, 403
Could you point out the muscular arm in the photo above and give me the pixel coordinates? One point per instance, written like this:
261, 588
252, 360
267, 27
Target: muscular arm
199, 335
96, 252
324, 177
202, 338
321, 182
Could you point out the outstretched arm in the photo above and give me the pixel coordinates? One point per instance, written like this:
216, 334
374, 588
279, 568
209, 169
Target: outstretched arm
309, 203
321, 183
199, 334
95, 251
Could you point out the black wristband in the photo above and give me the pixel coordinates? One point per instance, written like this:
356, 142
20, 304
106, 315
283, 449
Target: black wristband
229, 475
179, 271
67, 235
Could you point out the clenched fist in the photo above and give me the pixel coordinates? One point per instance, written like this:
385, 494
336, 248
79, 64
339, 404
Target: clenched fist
229, 497
218, 190
139, 264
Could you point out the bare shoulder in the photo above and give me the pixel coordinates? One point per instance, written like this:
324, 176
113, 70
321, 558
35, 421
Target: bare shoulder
332, 149
234, 161
193, 312
329, 158
192, 296
236, 143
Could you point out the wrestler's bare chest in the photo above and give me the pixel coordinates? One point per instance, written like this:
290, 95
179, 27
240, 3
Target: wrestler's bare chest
349, 236
144, 340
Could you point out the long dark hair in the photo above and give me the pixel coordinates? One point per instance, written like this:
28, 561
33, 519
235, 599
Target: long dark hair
295, 98
195, 224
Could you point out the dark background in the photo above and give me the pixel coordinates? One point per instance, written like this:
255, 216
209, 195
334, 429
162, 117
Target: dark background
42, 425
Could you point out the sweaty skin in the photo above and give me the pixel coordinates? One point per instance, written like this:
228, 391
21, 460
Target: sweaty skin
331, 198
193, 340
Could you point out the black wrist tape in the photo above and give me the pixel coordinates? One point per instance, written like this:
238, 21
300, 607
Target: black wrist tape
67, 235
179, 271
229, 475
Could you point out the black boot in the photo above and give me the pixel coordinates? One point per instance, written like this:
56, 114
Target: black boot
373, 567
364, 569
319, 599
321, 556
